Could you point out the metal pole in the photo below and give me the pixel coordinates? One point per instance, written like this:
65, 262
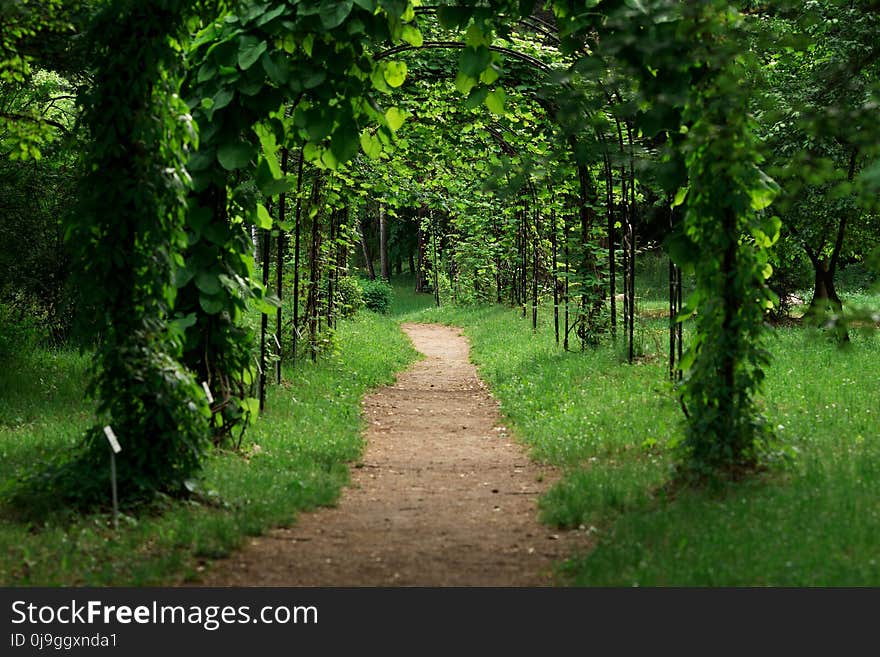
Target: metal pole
113, 482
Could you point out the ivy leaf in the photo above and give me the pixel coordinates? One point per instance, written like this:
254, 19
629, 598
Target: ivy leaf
249, 51
334, 12
221, 99
371, 145
395, 118
490, 75
394, 7
211, 305
637, 5
206, 72
269, 148
395, 73
412, 36
475, 60
270, 15
682, 250
262, 217
766, 232
464, 83
207, 282
235, 155
680, 196
345, 141
328, 159
182, 276
474, 36
452, 16
278, 71
764, 192
495, 101
377, 77
476, 97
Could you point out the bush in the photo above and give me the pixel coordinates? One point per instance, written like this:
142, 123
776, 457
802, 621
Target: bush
19, 332
377, 295
350, 296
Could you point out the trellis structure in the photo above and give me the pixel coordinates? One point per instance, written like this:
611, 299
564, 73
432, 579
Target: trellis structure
161, 234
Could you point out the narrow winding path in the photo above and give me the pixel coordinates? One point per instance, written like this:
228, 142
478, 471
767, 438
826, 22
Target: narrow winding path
442, 497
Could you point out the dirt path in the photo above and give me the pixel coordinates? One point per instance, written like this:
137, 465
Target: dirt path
443, 497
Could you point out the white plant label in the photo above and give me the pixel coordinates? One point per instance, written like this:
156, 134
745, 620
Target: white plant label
207, 392
111, 438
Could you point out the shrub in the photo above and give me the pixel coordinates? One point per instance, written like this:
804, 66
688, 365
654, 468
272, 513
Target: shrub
19, 332
350, 296
377, 295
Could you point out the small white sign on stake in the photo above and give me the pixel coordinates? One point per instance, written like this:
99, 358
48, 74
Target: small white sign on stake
111, 438
114, 450
207, 392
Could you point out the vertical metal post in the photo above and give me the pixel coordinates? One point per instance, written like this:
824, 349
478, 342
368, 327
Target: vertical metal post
115, 495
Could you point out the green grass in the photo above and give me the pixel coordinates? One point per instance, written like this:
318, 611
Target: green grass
406, 301
812, 523
607, 424
296, 456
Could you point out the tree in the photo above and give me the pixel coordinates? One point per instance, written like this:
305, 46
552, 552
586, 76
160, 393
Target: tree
820, 77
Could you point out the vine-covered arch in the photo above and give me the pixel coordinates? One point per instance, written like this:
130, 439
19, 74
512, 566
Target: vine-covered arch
162, 238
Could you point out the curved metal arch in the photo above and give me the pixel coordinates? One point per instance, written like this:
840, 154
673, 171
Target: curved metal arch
534, 23
458, 45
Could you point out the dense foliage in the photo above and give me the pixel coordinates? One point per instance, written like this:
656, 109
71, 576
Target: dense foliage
261, 151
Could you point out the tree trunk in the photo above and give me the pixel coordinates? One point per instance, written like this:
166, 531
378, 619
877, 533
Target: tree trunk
824, 291
383, 244
331, 269
264, 321
312, 302
297, 229
368, 257
420, 257
555, 273
279, 266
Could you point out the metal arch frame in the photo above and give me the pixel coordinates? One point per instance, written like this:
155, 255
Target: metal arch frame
543, 28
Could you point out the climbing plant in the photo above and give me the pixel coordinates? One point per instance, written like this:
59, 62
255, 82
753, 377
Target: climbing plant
129, 234
693, 78
186, 165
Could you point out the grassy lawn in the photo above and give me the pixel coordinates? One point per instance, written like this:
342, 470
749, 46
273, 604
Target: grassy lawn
296, 456
812, 522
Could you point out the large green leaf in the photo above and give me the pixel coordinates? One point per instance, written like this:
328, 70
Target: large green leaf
394, 7
474, 60
495, 101
249, 50
452, 16
395, 118
334, 12
395, 73
476, 97
222, 98
211, 305
345, 141
262, 218
276, 68
207, 282
269, 148
371, 145
235, 155
412, 36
